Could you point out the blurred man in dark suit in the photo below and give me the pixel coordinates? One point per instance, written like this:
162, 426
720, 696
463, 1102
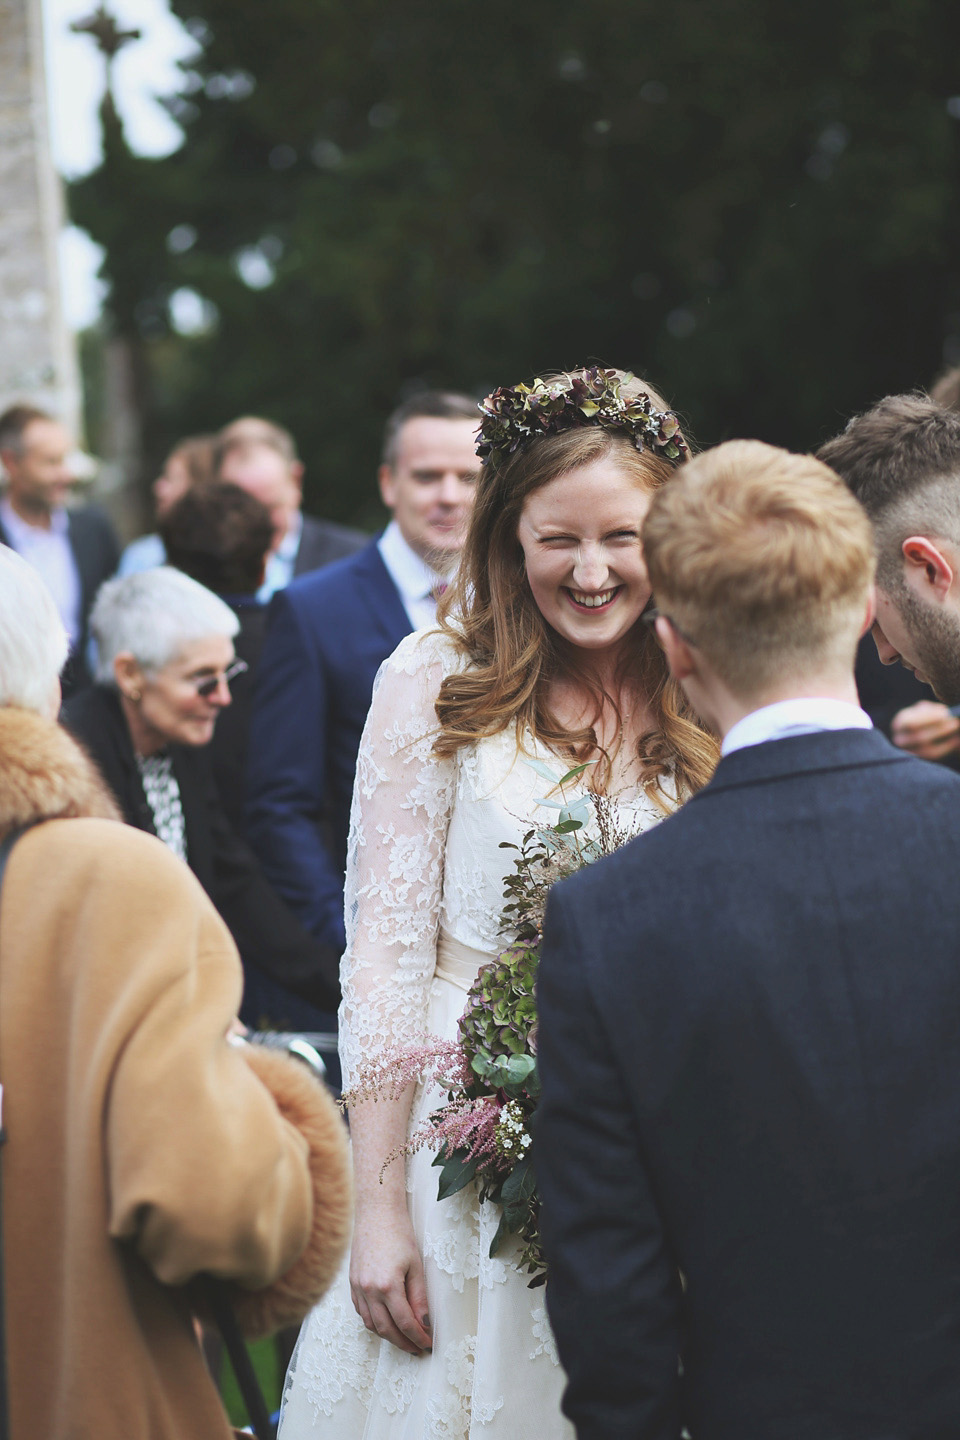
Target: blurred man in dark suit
220, 536
748, 1145
329, 633
261, 457
74, 550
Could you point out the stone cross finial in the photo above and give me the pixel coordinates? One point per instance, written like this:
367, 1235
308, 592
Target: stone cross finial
105, 30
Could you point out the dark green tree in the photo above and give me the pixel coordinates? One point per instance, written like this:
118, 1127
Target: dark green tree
756, 205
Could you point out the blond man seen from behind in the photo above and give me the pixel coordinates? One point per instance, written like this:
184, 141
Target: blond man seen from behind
748, 1146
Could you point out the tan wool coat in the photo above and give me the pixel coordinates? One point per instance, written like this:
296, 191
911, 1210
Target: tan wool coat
143, 1149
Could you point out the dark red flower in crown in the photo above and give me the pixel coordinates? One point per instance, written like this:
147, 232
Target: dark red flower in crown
515, 414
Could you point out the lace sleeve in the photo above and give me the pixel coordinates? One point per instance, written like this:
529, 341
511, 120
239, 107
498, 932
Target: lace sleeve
402, 800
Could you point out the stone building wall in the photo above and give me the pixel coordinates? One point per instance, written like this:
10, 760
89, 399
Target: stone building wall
37, 356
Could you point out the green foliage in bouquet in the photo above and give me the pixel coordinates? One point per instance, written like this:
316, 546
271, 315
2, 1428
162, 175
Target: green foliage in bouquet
497, 1043
483, 1132
485, 1129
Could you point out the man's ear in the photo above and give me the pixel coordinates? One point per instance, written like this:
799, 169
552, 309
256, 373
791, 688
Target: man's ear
870, 614
387, 483
296, 474
927, 566
678, 654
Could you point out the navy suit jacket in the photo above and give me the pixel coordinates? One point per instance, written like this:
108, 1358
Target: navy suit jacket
750, 1052
328, 635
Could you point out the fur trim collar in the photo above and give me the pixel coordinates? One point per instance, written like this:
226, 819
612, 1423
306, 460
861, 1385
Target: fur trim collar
44, 775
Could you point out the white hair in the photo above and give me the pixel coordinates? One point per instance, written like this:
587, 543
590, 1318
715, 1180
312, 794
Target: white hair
154, 615
33, 642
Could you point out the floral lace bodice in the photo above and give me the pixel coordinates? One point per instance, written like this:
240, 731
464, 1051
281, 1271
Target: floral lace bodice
424, 848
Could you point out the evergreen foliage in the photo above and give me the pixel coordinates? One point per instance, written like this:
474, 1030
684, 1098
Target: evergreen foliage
754, 204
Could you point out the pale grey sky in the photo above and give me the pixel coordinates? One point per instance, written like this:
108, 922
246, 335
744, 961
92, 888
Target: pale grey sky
144, 69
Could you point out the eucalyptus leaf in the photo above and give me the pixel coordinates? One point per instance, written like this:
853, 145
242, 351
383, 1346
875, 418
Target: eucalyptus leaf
574, 773
481, 1065
519, 1067
543, 771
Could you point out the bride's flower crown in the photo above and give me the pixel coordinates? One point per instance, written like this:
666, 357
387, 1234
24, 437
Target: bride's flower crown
515, 414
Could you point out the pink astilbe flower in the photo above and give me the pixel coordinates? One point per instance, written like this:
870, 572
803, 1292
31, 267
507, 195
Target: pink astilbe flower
469, 1125
439, 1061
466, 1125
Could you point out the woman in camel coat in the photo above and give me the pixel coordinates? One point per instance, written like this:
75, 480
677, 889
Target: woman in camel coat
144, 1149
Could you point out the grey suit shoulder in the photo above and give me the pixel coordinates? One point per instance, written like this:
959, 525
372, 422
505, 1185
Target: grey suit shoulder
323, 541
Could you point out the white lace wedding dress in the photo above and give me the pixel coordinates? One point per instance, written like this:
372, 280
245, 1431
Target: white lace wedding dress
424, 866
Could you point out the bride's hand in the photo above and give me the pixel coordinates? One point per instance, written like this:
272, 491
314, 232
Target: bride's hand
387, 1281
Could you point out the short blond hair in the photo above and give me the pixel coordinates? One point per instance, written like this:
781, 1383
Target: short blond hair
763, 559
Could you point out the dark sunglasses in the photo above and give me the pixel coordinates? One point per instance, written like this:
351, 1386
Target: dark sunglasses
207, 687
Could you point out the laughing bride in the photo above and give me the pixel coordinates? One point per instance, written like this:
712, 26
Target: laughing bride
542, 655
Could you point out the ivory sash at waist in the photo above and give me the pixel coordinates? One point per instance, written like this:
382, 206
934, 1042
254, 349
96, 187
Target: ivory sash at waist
458, 963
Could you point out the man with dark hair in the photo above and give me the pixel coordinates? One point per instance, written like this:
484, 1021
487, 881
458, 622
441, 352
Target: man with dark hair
220, 535
329, 633
902, 461
261, 457
73, 550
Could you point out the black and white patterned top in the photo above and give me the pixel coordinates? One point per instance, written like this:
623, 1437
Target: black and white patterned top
163, 796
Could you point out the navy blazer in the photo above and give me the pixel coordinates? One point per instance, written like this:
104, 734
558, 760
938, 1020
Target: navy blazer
328, 635
269, 938
750, 1051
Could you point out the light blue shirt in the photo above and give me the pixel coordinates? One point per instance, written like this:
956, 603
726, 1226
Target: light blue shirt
794, 717
281, 562
51, 555
144, 554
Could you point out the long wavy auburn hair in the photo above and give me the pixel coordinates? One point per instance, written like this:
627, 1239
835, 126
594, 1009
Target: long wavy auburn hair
491, 616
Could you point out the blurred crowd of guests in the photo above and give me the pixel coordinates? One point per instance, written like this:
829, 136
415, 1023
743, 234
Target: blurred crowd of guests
221, 667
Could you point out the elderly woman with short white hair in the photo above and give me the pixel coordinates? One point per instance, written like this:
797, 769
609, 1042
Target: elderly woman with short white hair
166, 659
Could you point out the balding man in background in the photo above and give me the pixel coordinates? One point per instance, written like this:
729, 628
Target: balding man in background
73, 550
262, 459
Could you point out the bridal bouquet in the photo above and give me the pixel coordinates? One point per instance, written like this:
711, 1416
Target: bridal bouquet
483, 1131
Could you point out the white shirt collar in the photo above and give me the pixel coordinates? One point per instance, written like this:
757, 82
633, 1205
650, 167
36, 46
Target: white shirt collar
412, 576
794, 717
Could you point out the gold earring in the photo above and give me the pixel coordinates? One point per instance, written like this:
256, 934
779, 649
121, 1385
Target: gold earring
134, 696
